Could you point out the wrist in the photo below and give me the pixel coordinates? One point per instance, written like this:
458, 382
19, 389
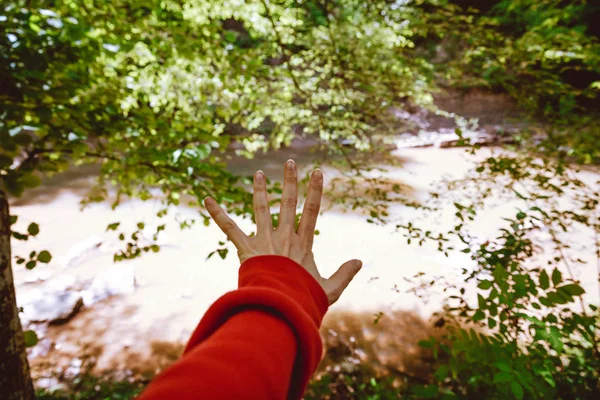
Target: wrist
286, 276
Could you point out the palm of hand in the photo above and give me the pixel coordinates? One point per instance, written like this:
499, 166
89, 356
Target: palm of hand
285, 240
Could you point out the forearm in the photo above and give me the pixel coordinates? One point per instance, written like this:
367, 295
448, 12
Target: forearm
251, 356
262, 337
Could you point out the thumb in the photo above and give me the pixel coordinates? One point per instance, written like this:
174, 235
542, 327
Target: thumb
335, 285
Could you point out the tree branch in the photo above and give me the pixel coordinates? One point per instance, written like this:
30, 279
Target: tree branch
306, 96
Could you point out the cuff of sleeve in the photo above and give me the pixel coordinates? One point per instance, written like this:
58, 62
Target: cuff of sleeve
281, 285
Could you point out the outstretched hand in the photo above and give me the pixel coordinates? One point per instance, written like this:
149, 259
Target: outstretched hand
285, 240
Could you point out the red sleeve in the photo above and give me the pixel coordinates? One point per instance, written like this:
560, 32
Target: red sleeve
260, 341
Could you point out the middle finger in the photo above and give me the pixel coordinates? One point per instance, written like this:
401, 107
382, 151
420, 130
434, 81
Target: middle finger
262, 213
289, 197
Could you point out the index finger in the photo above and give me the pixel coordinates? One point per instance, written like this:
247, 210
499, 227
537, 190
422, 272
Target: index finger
289, 197
310, 212
227, 225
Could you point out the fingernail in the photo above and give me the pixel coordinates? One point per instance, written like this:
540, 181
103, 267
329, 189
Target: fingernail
290, 164
259, 176
358, 264
318, 174
209, 201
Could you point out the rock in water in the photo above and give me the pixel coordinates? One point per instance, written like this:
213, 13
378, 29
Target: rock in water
82, 250
114, 280
51, 306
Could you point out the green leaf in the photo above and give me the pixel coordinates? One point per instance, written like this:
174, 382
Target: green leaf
478, 316
429, 391
556, 277
503, 365
441, 373
517, 389
544, 280
481, 302
541, 334
519, 195
485, 285
31, 264
44, 257
223, 253
572, 289
33, 229
555, 339
557, 298
30, 180
230, 36
20, 236
34, 27
31, 338
13, 186
545, 301
113, 226
502, 376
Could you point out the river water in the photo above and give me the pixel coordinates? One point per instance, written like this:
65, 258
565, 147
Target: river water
174, 287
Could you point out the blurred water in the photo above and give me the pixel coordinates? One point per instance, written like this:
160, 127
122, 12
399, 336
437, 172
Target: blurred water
175, 286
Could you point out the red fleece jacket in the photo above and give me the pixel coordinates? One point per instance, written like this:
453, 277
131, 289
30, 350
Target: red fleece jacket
260, 341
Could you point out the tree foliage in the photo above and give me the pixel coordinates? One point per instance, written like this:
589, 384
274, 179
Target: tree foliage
156, 92
524, 330
546, 55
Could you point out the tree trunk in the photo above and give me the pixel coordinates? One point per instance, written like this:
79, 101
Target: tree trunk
15, 380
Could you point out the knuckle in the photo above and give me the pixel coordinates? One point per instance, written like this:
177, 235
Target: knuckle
312, 209
291, 179
228, 227
306, 247
289, 202
262, 209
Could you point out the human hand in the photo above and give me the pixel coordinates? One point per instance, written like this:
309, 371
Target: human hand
285, 240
